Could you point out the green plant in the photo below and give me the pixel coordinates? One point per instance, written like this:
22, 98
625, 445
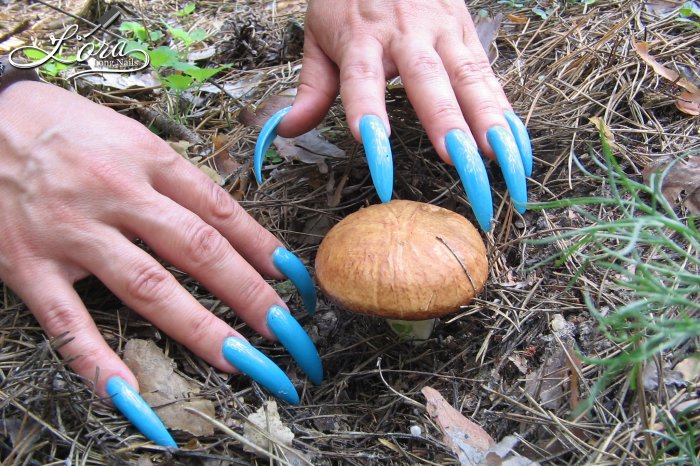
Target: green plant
690, 13
186, 10
170, 64
653, 257
52, 67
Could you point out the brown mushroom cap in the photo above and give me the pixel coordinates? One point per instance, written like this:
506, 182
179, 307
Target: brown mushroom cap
402, 260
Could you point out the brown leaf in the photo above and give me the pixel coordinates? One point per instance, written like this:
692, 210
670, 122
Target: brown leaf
689, 103
689, 99
309, 148
168, 392
464, 437
487, 30
682, 182
517, 19
662, 7
225, 164
258, 116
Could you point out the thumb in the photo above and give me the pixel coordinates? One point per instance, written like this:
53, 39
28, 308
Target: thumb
318, 88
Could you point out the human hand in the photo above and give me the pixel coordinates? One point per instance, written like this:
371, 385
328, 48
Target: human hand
76, 190
353, 47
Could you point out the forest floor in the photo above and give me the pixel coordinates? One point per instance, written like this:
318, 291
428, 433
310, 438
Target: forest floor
572, 351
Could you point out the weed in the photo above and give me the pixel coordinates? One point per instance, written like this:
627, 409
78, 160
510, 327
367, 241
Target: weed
170, 64
653, 255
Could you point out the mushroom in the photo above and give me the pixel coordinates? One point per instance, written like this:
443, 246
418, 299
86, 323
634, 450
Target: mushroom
406, 261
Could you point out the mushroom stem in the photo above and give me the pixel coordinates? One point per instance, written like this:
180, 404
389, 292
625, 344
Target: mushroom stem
412, 329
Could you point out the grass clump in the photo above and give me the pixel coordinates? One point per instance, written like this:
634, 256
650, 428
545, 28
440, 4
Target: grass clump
648, 256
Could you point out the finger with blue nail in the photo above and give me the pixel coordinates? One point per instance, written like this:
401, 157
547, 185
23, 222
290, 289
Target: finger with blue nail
447, 77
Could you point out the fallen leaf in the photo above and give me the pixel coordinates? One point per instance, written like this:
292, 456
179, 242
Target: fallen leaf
309, 148
121, 80
225, 164
487, 30
601, 126
689, 99
212, 174
257, 117
681, 185
650, 377
517, 19
265, 426
689, 103
465, 438
662, 7
690, 369
519, 362
547, 384
168, 392
180, 147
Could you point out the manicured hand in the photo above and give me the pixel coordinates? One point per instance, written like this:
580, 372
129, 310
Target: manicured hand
78, 182
353, 46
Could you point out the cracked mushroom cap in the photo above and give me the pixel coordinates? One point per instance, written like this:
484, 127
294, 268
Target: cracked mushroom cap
402, 260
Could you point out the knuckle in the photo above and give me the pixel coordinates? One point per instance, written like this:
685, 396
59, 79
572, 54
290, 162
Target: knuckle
252, 290
60, 317
89, 357
222, 205
442, 110
205, 245
148, 283
469, 73
361, 71
202, 325
425, 65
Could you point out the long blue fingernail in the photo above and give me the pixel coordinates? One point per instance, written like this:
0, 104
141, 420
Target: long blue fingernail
257, 366
522, 138
294, 338
136, 410
378, 150
268, 133
508, 156
472, 172
292, 268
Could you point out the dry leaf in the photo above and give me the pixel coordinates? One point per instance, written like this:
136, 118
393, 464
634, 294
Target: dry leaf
257, 117
682, 182
519, 362
689, 99
464, 437
662, 7
213, 174
309, 148
601, 126
690, 369
225, 164
161, 386
487, 30
547, 384
517, 19
267, 420
180, 147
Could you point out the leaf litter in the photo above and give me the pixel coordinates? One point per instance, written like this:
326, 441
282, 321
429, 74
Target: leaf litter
169, 393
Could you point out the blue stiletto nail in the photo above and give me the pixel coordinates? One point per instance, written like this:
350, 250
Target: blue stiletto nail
522, 138
292, 268
295, 339
508, 156
378, 150
268, 133
136, 410
472, 172
257, 366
